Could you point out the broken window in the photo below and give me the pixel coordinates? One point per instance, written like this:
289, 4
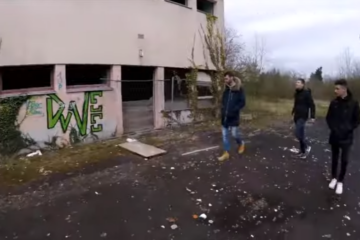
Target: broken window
206, 6
204, 90
85, 75
137, 83
181, 2
176, 89
15, 78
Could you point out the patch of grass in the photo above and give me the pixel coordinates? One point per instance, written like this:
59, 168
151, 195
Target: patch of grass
19, 170
281, 107
265, 112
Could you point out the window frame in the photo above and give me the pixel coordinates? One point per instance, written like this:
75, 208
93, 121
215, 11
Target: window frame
179, 4
213, 2
90, 87
27, 91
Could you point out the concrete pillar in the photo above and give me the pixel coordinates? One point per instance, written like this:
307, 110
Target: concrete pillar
192, 4
219, 13
159, 97
59, 79
115, 84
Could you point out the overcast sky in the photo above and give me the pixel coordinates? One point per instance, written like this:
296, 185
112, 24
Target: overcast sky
299, 34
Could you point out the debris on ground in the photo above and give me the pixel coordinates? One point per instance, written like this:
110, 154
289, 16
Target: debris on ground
33, 154
203, 216
190, 191
171, 219
294, 150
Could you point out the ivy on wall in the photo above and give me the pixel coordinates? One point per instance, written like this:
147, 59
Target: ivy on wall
11, 138
215, 47
213, 51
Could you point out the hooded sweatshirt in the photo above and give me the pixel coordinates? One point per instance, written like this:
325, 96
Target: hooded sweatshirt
342, 119
303, 105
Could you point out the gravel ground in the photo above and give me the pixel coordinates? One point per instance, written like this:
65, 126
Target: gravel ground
263, 194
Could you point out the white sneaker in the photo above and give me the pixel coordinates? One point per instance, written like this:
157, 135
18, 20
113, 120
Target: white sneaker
333, 183
339, 188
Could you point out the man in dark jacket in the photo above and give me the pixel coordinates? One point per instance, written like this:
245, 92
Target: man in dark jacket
303, 104
342, 119
233, 100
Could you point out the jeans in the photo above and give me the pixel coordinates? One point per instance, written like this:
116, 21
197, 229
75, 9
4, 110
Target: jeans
335, 150
235, 132
300, 134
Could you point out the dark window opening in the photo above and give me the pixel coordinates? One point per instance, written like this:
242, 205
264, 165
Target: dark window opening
180, 2
206, 6
26, 77
80, 75
137, 83
204, 89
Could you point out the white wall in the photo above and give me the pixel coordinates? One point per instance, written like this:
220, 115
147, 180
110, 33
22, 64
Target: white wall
100, 32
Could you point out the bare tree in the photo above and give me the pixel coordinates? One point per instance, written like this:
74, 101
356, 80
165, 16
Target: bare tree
233, 48
255, 58
258, 52
348, 65
250, 60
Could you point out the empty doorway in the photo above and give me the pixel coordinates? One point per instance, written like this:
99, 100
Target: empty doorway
137, 98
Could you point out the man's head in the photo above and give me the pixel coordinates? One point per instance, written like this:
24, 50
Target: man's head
340, 88
300, 83
229, 77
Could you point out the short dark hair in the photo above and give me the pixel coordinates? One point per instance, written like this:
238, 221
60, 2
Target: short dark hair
301, 80
341, 82
229, 73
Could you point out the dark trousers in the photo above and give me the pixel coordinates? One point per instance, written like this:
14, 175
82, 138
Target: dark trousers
335, 150
300, 134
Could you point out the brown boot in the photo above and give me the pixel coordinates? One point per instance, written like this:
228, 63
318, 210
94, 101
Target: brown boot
225, 156
241, 148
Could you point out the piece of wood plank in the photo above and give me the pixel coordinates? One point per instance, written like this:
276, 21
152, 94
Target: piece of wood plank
142, 149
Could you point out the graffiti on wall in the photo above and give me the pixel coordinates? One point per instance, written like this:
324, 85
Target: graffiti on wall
34, 107
59, 80
90, 110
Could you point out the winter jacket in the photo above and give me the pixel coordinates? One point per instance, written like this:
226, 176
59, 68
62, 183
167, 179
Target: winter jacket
342, 119
233, 100
303, 102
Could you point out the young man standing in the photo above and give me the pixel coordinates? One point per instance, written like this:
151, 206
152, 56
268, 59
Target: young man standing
233, 100
342, 119
303, 104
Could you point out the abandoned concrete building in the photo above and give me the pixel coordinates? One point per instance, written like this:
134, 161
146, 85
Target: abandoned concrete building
100, 68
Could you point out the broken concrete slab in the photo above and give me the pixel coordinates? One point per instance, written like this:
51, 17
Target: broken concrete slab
142, 149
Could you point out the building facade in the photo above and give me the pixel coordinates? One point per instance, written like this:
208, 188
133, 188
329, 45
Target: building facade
78, 62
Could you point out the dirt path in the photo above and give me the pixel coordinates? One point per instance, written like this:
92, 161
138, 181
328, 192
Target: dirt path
264, 194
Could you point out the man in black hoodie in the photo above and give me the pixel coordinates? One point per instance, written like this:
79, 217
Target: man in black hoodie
342, 119
303, 104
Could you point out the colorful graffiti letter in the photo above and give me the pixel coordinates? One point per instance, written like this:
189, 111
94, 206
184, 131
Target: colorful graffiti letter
33, 107
95, 112
81, 119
